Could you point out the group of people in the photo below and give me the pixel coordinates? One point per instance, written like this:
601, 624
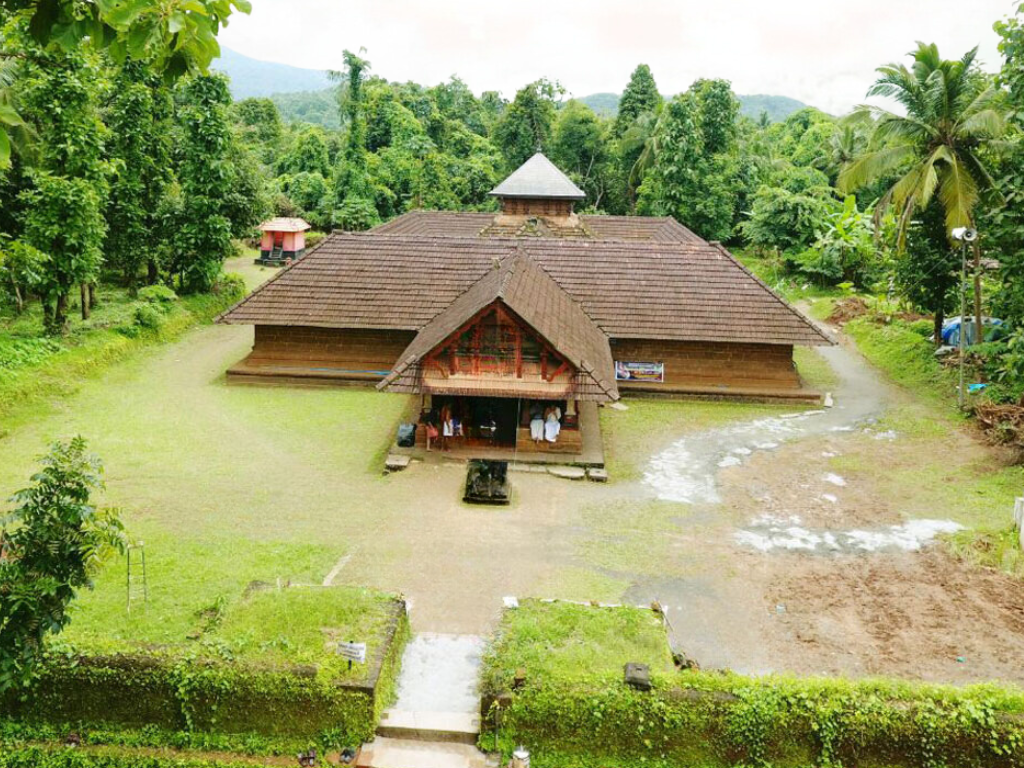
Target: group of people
545, 423
445, 427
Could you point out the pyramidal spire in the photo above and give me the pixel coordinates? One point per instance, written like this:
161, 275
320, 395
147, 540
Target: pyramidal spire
538, 178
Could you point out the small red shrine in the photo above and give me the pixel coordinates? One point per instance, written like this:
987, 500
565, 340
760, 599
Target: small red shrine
283, 241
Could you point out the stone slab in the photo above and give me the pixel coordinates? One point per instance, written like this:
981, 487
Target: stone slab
384, 752
396, 462
568, 473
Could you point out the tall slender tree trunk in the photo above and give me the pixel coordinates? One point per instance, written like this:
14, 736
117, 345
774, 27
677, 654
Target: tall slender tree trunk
979, 328
19, 300
83, 294
60, 313
940, 318
151, 272
93, 303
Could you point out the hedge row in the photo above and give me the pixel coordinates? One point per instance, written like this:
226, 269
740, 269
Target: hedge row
723, 720
68, 757
173, 691
553, 682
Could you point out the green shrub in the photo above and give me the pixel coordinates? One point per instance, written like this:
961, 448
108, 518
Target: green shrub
147, 316
21, 353
923, 328
230, 286
69, 757
157, 294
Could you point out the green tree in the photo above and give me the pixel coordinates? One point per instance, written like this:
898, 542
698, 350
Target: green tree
953, 112
640, 96
174, 35
21, 270
924, 272
689, 177
50, 545
139, 119
526, 125
308, 154
64, 205
202, 237
354, 190
1003, 225
580, 148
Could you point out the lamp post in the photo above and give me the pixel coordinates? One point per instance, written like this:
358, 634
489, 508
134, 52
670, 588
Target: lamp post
963, 235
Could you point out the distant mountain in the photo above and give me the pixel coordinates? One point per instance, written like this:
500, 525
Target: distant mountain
777, 107
308, 95
253, 77
603, 104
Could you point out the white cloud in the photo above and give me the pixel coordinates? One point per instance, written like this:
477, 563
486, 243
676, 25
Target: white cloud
823, 52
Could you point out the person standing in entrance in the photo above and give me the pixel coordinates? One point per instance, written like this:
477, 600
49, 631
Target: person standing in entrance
536, 423
447, 427
552, 423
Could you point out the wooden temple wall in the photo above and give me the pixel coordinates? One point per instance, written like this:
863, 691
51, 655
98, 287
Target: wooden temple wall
694, 366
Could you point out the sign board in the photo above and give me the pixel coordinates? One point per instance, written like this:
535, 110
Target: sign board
634, 371
352, 651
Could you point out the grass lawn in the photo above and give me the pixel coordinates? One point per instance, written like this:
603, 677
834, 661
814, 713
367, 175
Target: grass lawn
565, 642
36, 370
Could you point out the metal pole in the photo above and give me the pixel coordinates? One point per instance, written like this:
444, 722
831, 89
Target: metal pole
963, 310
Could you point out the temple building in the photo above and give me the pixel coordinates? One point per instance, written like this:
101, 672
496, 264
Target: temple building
283, 241
496, 318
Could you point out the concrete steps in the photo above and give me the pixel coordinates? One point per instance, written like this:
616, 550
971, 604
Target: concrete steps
384, 752
447, 727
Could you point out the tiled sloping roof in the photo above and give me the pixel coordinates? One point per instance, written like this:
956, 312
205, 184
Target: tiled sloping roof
284, 224
538, 177
630, 289
662, 230
521, 285
594, 226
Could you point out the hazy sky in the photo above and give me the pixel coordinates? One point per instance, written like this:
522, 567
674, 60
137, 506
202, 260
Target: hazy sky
822, 52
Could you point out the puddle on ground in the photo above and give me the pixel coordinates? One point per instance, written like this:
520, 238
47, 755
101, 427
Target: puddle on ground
685, 472
770, 533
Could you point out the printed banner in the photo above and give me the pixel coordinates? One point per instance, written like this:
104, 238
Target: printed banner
639, 371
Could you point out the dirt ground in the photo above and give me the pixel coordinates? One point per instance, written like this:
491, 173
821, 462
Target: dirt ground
238, 477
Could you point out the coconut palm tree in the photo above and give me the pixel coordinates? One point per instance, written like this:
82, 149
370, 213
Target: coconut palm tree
953, 113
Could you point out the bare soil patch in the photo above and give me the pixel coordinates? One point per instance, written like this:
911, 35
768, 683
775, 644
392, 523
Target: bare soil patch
916, 615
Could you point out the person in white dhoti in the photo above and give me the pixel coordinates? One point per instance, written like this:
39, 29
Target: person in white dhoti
536, 423
552, 425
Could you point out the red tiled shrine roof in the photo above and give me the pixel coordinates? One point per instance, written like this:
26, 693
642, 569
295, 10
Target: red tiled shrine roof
400, 276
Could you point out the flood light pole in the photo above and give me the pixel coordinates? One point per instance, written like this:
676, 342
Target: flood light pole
963, 235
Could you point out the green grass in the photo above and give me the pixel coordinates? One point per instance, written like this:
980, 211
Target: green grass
814, 369
299, 625
906, 357
791, 287
651, 424
565, 642
36, 372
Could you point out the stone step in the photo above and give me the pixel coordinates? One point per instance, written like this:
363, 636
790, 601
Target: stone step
451, 727
385, 752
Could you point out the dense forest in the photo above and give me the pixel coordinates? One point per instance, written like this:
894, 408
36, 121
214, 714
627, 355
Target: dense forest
124, 164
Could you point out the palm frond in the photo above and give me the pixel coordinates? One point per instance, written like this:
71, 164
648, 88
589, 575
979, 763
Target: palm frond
871, 166
987, 124
958, 191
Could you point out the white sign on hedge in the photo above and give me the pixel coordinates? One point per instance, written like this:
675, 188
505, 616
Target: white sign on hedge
352, 651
